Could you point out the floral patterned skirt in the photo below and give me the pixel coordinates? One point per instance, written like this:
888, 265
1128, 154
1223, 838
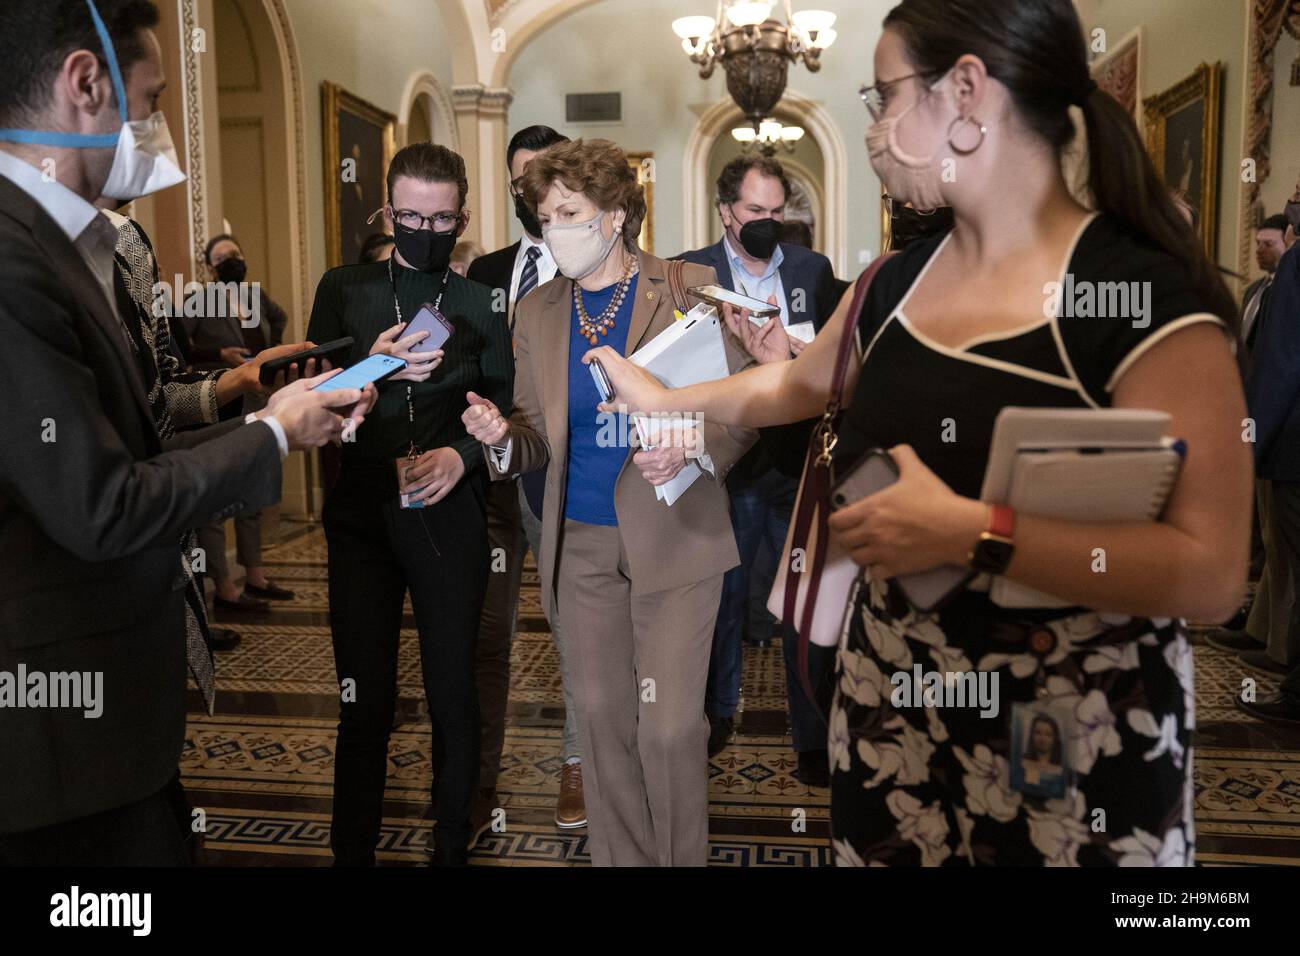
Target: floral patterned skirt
932, 785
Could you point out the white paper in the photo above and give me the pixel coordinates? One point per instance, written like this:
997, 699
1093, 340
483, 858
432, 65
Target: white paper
688, 352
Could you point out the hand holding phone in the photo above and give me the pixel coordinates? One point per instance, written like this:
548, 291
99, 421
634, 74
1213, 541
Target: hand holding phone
430, 320
272, 367
925, 590
603, 385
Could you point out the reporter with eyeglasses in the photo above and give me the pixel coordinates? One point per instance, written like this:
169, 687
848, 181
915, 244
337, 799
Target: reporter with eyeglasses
407, 512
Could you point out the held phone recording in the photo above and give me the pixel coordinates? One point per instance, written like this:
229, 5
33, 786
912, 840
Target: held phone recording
372, 370
926, 591
717, 296
430, 320
330, 350
603, 386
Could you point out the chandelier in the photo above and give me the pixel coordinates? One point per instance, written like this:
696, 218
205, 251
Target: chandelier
767, 136
754, 49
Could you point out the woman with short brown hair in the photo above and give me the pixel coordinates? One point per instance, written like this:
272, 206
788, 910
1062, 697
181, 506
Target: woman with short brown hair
636, 583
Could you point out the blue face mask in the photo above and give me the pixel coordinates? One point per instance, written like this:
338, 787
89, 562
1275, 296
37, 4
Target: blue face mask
145, 160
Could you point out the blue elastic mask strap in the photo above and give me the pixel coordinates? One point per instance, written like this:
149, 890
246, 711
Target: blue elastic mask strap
37, 137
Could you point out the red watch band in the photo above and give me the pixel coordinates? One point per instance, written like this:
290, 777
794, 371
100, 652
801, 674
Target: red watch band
1003, 522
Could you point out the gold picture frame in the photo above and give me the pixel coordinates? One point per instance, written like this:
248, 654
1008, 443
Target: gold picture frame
351, 195
1183, 127
644, 164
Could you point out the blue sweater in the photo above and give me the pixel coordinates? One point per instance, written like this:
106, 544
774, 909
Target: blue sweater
596, 451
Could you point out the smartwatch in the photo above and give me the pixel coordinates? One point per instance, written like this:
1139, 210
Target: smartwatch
996, 546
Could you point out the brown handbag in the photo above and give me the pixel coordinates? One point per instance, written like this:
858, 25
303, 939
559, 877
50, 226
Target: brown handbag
797, 595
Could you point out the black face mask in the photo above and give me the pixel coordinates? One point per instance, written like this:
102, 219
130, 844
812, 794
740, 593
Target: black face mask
908, 225
424, 249
527, 218
760, 237
231, 270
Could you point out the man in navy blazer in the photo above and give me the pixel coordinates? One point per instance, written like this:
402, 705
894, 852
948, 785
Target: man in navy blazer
751, 259
1273, 398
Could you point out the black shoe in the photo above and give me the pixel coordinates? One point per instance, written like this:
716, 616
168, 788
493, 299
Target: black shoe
1238, 621
814, 768
1233, 640
244, 605
1261, 663
720, 729
1275, 707
272, 591
222, 638
449, 856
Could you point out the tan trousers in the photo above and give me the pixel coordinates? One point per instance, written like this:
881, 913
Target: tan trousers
642, 662
1275, 613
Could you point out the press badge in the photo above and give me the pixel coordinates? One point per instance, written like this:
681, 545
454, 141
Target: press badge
1041, 754
403, 473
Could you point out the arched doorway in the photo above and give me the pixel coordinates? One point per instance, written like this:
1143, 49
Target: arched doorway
718, 121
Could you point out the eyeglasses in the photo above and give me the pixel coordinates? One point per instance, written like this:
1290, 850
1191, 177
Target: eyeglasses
438, 222
876, 98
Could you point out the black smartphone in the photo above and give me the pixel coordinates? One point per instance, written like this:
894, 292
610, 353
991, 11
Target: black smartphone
330, 350
430, 320
875, 471
603, 385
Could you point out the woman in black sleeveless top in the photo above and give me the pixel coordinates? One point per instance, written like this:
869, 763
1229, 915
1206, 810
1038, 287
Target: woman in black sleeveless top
973, 106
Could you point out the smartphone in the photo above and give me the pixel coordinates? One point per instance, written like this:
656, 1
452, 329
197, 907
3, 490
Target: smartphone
370, 370
717, 296
928, 590
603, 385
269, 370
430, 320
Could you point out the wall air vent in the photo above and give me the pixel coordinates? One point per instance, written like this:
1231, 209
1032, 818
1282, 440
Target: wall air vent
593, 108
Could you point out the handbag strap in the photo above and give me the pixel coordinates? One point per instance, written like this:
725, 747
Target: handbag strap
677, 285
815, 488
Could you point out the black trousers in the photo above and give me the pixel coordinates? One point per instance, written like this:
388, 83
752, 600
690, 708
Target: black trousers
144, 833
377, 552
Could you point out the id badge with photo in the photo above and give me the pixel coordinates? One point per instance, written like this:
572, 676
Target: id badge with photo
403, 469
1041, 755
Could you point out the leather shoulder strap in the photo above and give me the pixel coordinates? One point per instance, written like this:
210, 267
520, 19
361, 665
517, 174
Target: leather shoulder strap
677, 285
850, 326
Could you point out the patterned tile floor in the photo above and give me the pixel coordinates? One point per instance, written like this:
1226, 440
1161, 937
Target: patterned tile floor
262, 767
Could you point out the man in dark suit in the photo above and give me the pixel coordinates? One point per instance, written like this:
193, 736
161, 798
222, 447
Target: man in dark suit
1270, 246
1273, 398
751, 259
92, 502
514, 522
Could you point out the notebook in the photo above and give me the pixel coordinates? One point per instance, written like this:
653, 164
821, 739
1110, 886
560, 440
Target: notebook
1115, 479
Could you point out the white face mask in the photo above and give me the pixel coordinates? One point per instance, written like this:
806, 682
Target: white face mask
581, 248
907, 178
145, 161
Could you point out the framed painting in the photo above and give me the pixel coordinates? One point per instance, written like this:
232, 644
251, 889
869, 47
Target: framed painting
1183, 131
1119, 73
359, 143
644, 164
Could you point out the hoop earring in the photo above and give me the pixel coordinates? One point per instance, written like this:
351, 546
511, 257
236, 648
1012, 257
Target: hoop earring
984, 131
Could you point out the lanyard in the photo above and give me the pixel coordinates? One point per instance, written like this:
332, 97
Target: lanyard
413, 451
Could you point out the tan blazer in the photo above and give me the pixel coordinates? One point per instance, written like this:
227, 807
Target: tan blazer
666, 547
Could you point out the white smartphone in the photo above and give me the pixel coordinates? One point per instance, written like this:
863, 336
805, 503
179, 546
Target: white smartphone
717, 296
925, 590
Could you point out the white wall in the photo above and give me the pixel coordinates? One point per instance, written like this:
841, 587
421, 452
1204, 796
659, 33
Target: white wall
370, 48
628, 46
1278, 187
1180, 35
